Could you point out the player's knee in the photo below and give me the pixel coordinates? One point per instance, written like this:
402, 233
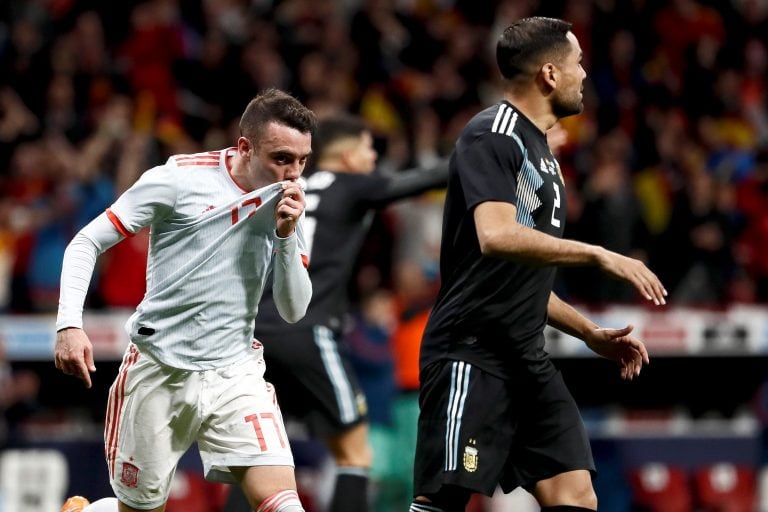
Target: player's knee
283, 501
580, 494
351, 448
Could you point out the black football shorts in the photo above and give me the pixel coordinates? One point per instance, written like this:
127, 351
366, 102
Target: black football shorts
313, 379
477, 430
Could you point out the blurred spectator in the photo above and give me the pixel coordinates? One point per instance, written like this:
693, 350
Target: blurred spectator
608, 200
18, 391
752, 247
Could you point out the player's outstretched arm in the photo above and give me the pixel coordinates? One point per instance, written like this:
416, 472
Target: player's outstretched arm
501, 238
409, 183
615, 344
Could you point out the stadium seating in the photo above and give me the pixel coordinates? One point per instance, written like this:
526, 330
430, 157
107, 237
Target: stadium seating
658, 487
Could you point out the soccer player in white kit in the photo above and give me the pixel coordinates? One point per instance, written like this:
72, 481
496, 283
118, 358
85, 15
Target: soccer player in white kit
220, 223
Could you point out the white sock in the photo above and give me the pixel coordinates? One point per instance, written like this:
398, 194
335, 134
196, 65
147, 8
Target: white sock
103, 505
284, 501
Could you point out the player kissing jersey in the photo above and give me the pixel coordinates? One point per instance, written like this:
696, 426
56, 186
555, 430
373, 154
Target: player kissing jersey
202, 294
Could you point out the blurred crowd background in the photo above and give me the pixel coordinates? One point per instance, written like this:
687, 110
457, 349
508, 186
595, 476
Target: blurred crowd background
668, 162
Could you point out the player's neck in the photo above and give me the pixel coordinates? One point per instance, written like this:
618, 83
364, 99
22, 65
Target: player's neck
536, 108
240, 175
336, 166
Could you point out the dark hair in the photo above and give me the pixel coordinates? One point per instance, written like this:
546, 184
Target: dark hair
526, 43
274, 105
335, 127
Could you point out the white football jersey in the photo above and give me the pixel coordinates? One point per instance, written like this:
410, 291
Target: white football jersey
210, 253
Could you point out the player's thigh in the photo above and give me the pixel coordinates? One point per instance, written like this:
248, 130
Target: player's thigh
261, 482
243, 426
569, 488
151, 421
551, 439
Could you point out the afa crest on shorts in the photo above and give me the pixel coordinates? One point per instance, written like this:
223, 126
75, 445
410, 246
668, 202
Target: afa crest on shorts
470, 458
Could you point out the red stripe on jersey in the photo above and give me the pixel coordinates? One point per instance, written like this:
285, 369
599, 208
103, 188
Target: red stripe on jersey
200, 159
209, 154
194, 157
305, 260
118, 224
212, 163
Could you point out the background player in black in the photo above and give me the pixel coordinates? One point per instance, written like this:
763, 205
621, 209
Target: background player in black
494, 409
308, 359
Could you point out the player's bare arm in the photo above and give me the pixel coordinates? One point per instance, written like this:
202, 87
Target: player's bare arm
502, 238
615, 344
73, 354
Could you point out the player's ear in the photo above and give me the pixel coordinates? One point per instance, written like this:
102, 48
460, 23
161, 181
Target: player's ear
347, 158
548, 74
244, 146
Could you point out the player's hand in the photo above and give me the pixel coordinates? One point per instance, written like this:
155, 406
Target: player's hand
74, 354
289, 208
617, 344
634, 271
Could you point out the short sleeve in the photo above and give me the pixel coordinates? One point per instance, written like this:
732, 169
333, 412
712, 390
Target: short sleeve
487, 169
150, 199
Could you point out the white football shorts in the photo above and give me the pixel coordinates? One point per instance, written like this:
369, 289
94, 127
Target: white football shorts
156, 412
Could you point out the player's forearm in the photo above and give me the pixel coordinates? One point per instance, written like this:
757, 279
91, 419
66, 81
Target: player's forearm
292, 287
77, 269
520, 243
564, 317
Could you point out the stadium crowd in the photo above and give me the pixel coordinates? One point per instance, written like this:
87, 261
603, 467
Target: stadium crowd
669, 161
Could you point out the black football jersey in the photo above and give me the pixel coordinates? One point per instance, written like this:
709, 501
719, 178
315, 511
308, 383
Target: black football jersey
339, 210
491, 311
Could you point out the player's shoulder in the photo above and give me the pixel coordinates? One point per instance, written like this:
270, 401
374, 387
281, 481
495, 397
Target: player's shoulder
203, 160
499, 122
320, 180
338, 181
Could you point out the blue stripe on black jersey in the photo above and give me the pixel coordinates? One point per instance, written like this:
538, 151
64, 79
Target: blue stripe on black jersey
528, 183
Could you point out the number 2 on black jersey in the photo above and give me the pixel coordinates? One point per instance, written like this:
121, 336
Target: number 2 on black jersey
556, 205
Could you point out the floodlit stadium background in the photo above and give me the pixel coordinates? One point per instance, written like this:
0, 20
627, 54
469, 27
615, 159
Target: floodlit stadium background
669, 162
